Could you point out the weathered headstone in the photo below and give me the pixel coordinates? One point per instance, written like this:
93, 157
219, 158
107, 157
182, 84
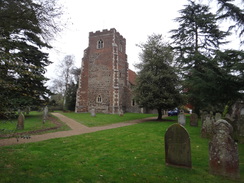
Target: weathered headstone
182, 119
21, 120
194, 119
241, 123
207, 127
228, 116
93, 112
237, 119
223, 152
45, 114
121, 112
204, 114
231, 121
218, 116
177, 146
27, 110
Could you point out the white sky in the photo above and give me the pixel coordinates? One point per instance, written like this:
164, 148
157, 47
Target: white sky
135, 20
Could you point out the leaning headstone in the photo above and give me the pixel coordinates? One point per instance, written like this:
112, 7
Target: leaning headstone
93, 113
45, 114
194, 119
182, 119
177, 146
223, 152
21, 120
218, 116
207, 127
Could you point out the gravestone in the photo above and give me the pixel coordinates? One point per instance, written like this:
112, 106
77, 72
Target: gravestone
121, 112
228, 116
177, 146
194, 119
218, 116
223, 152
241, 123
93, 113
45, 114
237, 114
204, 114
207, 127
182, 119
21, 120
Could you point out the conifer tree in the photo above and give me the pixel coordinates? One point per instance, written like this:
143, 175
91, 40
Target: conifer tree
212, 78
157, 85
22, 59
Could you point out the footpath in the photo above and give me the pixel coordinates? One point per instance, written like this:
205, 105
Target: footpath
76, 129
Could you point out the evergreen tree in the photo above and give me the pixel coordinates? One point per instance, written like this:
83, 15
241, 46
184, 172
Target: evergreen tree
229, 10
198, 35
157, 85
22, 60
212, 77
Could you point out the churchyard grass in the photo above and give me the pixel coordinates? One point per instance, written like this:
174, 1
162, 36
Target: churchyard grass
131, 154
104, 119
33, 122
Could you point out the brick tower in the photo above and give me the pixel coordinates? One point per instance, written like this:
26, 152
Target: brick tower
104, 82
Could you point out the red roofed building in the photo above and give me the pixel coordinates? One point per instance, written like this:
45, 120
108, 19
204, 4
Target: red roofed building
105, 79
132, 77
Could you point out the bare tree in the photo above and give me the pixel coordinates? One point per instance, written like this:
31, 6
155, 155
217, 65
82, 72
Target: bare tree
66, 77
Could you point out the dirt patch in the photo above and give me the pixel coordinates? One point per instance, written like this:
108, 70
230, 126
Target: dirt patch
34, 132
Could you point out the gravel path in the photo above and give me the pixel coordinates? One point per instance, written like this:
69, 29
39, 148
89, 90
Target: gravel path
76, 129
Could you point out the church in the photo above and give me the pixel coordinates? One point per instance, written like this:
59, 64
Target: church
106, 82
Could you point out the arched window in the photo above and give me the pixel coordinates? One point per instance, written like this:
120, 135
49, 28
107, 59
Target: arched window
99, 99
133, 102
100, 44
121, 46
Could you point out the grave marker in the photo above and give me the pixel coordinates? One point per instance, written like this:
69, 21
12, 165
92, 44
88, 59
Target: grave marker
207, 127
20, 123
182, 119
218, 116
93, 113
177, 147
223, 152
194, 119
45, 114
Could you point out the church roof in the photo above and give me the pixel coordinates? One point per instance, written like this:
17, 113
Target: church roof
132, 77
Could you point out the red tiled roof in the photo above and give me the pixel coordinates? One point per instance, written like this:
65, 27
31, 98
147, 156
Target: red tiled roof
132, 77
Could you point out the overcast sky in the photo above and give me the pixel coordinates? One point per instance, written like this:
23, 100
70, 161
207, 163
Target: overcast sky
135, 20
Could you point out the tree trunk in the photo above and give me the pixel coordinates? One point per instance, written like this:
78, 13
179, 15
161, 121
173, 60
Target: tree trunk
160, 114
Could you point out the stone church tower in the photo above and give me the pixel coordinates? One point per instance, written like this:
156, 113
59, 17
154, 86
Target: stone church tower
105, 79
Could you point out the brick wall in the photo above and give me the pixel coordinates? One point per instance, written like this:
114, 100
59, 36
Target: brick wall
104, 81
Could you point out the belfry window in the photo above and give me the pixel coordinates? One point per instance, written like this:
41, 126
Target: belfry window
99, 99
121, 46
100, 44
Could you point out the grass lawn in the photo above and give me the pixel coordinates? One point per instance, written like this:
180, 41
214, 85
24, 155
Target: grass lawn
104, 119
33, 122
131, 154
